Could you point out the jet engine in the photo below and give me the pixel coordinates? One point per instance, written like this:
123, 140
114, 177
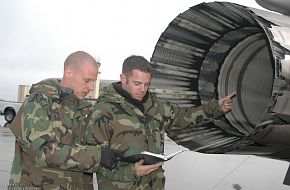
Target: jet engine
213, 49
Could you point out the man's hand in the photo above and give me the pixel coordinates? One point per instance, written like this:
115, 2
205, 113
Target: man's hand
142, 170
109, 158
226, 102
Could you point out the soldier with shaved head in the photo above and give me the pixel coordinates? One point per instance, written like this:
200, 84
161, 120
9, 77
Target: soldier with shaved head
49, 128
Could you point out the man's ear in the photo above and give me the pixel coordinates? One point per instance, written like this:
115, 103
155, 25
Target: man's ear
68, 72
123, 78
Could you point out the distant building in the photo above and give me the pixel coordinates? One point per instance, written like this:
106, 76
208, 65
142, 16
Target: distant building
104, 83
23, 92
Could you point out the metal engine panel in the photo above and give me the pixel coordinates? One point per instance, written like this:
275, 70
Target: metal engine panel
213, 49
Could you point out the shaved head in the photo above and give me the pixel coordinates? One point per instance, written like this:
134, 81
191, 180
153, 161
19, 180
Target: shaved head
76, 59
80, 73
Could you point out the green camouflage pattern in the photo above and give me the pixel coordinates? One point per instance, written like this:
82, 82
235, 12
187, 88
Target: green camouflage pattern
49, 148
117, 123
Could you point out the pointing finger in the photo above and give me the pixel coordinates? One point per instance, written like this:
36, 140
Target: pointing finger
232, 95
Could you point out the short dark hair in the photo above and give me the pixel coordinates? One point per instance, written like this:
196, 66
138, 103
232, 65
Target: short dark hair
136, 62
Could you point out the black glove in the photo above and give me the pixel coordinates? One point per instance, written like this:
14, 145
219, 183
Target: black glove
108, 158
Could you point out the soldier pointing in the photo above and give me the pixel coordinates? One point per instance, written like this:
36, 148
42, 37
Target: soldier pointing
129, 118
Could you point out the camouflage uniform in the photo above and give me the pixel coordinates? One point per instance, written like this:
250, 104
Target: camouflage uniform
49, 130
131, 126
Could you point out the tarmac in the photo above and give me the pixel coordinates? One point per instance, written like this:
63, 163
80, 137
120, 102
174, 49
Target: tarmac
7, 153
189, 170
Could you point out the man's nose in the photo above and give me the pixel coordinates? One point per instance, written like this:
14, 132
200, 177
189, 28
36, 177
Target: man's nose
91, 85
143, 88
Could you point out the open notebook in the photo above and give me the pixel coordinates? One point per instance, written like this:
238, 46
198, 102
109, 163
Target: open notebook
149, 157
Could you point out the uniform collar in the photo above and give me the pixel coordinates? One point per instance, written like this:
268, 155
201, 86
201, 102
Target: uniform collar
128, 97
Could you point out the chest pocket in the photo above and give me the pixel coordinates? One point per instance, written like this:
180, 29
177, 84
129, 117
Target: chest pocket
154, 126
157, 131
79, 124
64, 123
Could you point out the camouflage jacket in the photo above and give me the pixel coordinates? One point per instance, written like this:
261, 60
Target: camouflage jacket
131, 126
49, 130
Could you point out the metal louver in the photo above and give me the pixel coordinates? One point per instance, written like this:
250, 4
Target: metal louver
213, 49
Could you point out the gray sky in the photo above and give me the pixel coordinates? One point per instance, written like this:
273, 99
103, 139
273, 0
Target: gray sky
37, 35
